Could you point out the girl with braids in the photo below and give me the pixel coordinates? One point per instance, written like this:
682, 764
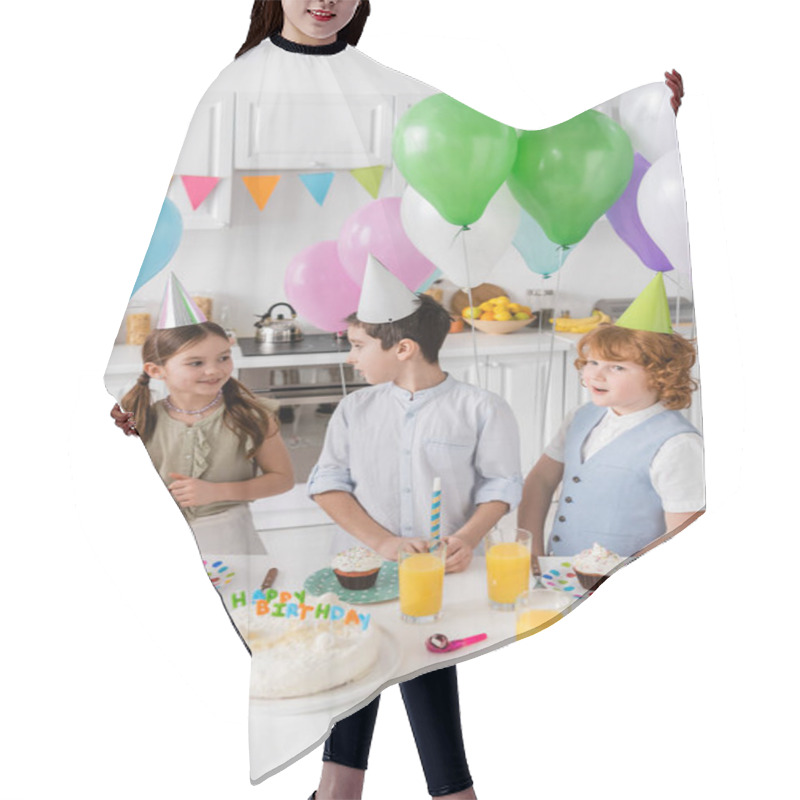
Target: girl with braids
209, 437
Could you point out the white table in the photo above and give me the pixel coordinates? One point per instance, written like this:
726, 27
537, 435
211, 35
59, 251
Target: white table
278, 736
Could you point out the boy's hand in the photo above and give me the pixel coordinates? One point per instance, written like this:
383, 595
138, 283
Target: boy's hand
389, 548
459, 554
411, 545
192, 491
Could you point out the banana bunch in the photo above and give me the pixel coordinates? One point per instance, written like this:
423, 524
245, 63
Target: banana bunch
581, 325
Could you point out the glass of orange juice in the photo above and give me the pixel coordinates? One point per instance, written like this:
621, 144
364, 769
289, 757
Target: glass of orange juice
421, 579
538, 608
508, 565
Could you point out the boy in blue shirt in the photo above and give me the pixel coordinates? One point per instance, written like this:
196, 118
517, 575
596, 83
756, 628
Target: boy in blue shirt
384, 446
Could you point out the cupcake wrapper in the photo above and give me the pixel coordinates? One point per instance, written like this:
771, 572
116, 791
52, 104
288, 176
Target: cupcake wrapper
365, 580
588, 580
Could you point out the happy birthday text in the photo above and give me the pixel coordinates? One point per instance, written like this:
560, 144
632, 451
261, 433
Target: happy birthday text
292, 605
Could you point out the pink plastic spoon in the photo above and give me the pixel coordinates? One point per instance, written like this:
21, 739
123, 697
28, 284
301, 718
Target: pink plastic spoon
439, 643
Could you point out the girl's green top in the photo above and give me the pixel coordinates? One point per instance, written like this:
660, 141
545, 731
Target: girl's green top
207, 449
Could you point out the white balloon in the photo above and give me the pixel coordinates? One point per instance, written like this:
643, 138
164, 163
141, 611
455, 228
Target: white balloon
610, 108
646, 115
662, 209
466, 257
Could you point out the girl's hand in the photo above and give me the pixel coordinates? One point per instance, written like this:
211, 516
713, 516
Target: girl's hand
459, 554
192, 491
124, 421
675, 83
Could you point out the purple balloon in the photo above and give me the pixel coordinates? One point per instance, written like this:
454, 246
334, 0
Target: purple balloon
624, 218
377, 228
320, 289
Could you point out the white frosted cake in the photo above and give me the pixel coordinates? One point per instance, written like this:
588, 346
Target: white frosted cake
298, 657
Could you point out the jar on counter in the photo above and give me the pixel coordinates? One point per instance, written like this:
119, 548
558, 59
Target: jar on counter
137, 325
541, 303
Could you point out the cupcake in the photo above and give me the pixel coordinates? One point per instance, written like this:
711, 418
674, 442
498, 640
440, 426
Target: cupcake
357, 568
592, 566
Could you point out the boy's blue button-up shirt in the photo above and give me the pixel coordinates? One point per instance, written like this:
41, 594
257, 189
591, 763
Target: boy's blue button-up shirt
385, 446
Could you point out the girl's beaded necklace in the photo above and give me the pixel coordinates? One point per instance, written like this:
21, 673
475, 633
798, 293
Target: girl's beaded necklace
193, 412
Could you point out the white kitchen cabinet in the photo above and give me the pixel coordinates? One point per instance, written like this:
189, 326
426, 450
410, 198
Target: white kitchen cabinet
208, 152
313, 132
531, 383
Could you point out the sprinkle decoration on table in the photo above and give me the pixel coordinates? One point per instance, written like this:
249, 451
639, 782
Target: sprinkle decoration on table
436, 509
219, 573
563, 579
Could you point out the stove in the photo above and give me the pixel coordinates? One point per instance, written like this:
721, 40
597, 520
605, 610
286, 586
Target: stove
314, 343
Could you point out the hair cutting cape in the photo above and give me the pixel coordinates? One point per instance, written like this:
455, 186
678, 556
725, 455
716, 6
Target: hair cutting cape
299, 164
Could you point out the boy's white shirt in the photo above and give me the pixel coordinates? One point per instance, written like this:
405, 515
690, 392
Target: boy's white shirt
676, 471
399, 443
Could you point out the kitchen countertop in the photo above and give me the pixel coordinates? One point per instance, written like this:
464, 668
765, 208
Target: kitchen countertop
126, 359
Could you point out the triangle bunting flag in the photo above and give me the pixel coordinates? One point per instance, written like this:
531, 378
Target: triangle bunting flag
370, 178
198, 187
318, 184
261, 187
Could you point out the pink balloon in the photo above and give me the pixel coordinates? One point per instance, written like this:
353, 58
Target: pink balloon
320, 289
377, 228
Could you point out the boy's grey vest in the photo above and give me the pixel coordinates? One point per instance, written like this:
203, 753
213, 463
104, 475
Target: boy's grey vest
609, 498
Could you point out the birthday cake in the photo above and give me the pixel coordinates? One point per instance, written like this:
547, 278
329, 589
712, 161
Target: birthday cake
326, 645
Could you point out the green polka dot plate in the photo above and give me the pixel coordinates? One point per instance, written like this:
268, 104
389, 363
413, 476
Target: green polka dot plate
385, 587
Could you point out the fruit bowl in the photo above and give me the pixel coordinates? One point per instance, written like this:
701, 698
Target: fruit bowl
508, 326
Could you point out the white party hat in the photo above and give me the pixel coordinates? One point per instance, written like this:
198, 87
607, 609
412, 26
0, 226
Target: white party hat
384, 297
177, 307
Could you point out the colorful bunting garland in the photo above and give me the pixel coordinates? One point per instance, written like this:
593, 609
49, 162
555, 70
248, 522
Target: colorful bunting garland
261, 187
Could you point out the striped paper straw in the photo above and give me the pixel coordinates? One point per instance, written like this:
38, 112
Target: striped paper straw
436, 509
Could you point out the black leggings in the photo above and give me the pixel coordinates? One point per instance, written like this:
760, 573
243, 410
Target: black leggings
431, 702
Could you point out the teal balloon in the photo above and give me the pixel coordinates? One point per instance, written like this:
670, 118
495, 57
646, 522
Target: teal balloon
566, 177
540, 254
163, 243
453, 156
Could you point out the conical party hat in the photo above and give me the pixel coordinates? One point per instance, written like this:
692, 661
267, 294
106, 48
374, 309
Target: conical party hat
177, 308
384, 297
650, 310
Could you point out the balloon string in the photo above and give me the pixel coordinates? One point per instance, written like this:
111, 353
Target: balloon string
473, 333
342, 378
677, 283
562, 251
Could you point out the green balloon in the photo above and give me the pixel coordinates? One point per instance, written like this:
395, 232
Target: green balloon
566, 177
453, 156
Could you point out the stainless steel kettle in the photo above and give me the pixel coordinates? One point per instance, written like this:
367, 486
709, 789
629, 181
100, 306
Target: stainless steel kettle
280, 329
